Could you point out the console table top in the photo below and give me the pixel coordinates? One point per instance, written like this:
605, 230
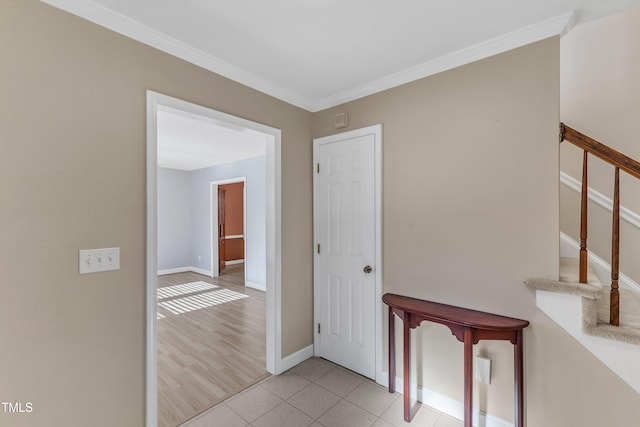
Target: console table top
452, 315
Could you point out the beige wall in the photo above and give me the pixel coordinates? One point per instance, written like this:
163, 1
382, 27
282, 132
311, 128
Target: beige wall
470, 163
600, 96
72, 176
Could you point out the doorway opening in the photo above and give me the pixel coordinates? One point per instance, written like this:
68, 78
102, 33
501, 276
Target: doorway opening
229, 227
205, 292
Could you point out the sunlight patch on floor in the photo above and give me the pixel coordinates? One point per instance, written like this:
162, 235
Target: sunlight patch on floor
200, 301
184, 288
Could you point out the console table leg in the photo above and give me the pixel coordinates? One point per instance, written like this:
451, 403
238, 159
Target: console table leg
407, 365
468, 377
392, 352
519, 379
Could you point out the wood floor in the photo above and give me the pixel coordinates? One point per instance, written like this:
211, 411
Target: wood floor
211, 341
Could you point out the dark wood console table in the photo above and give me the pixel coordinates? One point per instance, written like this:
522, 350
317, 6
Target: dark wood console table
469, 327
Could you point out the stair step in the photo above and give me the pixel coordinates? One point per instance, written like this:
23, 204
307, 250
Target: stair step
629, 329
568, 281
570, 272
595, 302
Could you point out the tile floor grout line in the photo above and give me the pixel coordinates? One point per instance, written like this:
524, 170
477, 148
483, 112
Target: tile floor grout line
305, 387
369, 391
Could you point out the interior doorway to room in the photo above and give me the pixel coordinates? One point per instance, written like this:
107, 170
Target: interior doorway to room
222, 225
204, 354
197, 352
229, 226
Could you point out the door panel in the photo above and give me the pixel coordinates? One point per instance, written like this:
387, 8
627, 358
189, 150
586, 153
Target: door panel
346, 229
222, 252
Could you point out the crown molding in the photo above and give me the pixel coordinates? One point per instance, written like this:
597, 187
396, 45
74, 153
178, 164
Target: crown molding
559, 25
98, 14
142, 33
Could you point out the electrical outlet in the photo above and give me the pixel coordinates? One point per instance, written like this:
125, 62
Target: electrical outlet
483, 369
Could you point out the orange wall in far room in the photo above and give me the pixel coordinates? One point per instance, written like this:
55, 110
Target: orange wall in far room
234, 211
234, 249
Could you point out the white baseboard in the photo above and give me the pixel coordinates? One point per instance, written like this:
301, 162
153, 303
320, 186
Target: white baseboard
173, 270
184, 270
294, 359
234, 261
255, 286
202, 271
449, 406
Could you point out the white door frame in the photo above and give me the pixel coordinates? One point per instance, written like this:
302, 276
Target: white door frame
157, 101
376, 131
213, 204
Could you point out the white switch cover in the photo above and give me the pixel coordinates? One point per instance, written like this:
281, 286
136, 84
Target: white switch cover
483, 369
96, 260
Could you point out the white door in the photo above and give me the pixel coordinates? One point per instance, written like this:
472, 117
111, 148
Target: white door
345, 225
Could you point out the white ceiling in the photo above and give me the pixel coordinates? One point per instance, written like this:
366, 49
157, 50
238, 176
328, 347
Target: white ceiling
189, 142
319, 53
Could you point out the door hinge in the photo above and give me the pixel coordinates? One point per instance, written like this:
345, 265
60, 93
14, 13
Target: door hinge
318, 247
318, 168
318, 327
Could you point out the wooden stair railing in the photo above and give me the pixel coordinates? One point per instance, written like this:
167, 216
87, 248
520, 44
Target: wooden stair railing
620, 162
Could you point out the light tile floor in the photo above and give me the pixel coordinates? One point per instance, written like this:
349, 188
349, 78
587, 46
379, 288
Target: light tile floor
318, 393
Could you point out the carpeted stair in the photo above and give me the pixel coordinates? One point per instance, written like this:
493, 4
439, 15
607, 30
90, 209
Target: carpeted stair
595, 302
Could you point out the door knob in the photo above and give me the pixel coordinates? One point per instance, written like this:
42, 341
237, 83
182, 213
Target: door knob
367, 269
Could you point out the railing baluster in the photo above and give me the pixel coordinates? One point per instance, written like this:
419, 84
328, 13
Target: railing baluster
583, 220
614, 309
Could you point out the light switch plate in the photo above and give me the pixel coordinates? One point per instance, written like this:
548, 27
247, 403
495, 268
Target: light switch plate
97, 260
